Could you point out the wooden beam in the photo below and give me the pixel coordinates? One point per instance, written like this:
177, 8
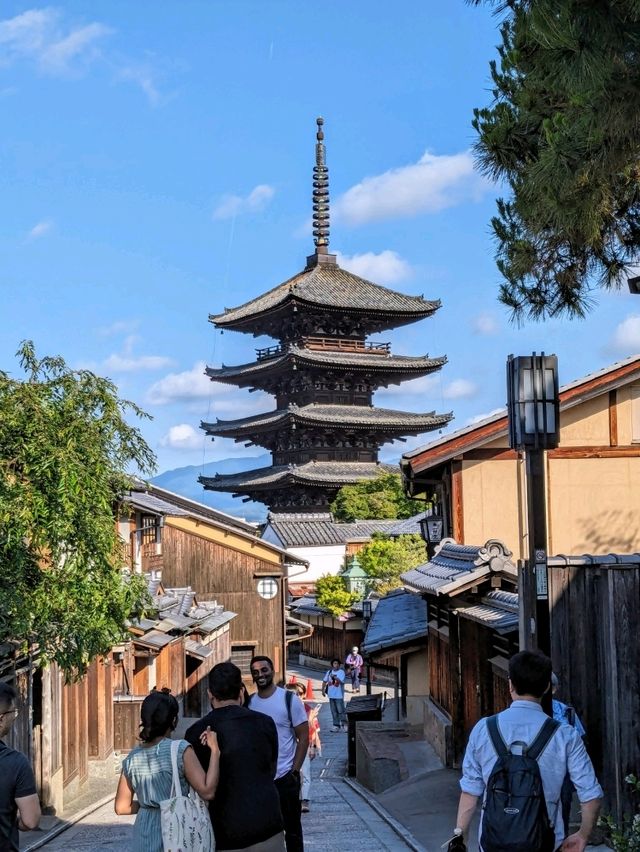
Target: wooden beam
456, 502
623, 452
613, 418
491, 454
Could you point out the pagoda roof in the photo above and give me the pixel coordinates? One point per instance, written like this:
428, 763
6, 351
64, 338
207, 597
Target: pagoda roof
327, 286
327, 474
299, 356
315, 414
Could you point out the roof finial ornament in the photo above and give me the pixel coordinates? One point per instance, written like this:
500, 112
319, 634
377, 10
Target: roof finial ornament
320, 194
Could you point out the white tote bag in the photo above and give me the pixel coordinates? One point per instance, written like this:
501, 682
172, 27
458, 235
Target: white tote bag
185, 822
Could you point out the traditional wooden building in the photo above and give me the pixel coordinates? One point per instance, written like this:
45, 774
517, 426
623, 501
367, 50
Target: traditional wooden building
472, 632
324, 432
219, 556
592, 494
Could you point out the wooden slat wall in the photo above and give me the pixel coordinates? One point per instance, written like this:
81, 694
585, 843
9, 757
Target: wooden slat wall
126, 724
440, 685
221, 573
75, 749
328, 641
100, 720
594, 631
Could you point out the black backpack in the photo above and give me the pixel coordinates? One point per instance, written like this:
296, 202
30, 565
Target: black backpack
515, 817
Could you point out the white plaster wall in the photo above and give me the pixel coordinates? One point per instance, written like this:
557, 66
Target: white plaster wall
328, 559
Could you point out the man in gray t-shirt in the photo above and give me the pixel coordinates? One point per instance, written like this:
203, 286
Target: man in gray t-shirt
293, 742
19, 805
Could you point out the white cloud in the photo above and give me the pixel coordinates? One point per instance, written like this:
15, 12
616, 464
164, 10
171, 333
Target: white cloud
40, 35
187, 386
234, 205
485, 325
460, 389
477, 418
39, 230
127, 362
145, 77
416, 389
130, 364
432, 184
183, 437
387, 267
626, 336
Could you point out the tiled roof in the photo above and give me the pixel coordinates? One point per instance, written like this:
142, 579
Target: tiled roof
312, 473
329, 286
146, 502
350, 416
299, 356
399, 618
497, 610
366, 528
298, 531
307, 606
317, 529
195, 649
456, 567
407, 526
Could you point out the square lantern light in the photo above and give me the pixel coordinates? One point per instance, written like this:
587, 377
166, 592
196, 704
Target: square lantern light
366, 610
432, 526
533, 401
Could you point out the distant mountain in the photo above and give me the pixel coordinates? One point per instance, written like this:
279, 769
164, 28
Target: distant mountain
184, 480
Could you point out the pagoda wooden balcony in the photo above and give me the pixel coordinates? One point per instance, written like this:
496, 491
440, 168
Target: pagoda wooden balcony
329, 344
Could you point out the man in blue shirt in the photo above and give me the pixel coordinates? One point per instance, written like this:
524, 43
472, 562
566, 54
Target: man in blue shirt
566, 715
529, 680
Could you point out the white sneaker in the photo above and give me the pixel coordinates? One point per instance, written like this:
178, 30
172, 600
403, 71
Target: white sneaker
335, 729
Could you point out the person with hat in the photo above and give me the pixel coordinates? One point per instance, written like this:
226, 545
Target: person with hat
354, 664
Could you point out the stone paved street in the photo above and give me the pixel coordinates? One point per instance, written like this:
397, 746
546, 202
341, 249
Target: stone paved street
339, 817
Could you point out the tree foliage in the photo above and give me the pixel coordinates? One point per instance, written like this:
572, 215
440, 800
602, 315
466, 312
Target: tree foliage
384, 559
374, 499
332, 594
563, 133
65, 447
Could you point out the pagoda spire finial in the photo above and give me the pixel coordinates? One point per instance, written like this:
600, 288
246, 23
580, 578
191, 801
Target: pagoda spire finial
320, 194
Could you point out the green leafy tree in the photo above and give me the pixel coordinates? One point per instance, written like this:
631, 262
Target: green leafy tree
374, 499
332, 594
65, 447
384, 559
563, 135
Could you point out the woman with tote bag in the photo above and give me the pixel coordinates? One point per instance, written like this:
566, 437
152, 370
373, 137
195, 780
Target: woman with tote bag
147, 771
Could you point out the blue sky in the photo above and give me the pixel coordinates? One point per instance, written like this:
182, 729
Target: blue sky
156, 168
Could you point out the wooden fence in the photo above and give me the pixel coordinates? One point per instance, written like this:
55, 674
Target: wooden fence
595, 618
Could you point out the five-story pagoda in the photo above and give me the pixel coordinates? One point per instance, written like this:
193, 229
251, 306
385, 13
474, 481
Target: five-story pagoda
324, 432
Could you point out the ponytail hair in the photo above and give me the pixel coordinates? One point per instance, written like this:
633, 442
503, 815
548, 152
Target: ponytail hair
158, 714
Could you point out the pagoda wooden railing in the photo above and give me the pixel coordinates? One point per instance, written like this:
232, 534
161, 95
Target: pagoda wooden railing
329, 344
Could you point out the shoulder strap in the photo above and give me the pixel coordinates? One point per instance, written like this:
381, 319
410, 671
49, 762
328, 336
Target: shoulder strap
288, 700
545, 733
176, 789
496, 737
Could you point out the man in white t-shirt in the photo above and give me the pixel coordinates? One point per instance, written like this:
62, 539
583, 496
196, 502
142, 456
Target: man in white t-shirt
333, 686
288, 712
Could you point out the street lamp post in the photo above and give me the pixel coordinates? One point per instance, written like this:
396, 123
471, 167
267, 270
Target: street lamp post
533, 408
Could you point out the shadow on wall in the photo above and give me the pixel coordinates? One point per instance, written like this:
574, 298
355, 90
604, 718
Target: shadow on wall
616, 532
